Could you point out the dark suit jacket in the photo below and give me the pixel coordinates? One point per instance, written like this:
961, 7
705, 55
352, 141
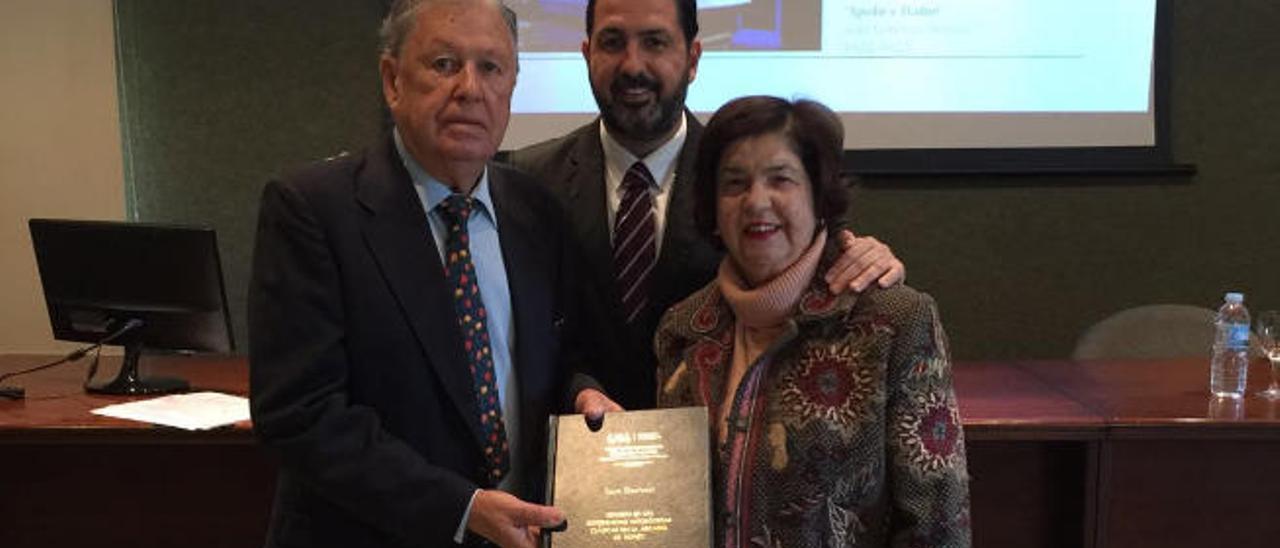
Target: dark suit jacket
357, 372
573, 166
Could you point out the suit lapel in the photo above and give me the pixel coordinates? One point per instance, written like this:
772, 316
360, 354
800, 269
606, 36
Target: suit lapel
679, 224
399, 239
586, 205
523, 242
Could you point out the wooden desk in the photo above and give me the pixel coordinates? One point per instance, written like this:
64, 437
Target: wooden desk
1178, 467
1103, 455
71, 478
1032, 453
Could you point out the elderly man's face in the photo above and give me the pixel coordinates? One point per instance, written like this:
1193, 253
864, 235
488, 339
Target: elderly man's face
449, 89
640, 66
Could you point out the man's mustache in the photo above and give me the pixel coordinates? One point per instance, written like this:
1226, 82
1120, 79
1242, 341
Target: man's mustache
631, 81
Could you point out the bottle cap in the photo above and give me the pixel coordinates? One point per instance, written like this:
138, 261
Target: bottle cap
1234, 297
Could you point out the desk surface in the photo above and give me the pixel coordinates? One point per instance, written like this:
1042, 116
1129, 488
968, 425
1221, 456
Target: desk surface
1062, 453
998, 400
1163, 393
56, 405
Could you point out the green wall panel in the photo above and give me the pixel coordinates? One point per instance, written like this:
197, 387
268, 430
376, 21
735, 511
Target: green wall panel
218, 96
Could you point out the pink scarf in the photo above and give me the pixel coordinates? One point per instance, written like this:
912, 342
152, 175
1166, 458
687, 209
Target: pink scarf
760, 313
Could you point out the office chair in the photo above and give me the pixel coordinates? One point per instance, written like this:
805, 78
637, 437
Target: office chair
1150, 331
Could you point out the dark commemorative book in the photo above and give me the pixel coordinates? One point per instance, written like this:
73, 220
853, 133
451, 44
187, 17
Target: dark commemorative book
643, 479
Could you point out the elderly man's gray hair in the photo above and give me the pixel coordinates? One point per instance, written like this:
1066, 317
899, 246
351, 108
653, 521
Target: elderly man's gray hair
402, 16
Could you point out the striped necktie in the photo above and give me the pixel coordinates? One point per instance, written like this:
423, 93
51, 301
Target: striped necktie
473, 321
634, 247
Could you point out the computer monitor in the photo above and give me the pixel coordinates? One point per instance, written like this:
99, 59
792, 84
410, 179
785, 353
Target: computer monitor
160, 284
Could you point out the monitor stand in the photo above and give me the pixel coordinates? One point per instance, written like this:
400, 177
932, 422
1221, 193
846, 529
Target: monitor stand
127, 382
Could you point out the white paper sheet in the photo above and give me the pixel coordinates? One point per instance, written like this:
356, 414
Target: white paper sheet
195, 411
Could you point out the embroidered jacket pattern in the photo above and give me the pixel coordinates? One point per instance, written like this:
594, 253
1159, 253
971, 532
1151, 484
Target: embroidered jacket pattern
853, 438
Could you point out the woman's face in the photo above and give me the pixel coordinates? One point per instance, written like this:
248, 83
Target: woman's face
764, 206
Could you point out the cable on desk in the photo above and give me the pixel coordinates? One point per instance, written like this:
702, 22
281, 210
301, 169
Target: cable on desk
16, 392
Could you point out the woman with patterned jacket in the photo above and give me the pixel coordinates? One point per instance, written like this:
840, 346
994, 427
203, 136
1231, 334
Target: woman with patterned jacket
833, 417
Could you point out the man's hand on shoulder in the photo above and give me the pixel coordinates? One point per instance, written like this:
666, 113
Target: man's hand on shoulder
865, 260
508, 521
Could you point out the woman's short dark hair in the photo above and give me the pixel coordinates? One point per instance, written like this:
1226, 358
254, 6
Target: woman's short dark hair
813, 131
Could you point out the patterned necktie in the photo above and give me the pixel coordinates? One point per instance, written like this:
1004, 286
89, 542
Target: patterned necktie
634, 249
472, 320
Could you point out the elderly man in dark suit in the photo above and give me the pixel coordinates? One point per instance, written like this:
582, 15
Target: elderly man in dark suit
410, 311
627, 182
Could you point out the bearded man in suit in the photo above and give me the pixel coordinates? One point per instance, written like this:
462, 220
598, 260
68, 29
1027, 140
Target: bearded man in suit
641, 57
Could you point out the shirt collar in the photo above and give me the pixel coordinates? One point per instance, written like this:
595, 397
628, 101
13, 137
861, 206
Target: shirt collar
660, 162
431, 191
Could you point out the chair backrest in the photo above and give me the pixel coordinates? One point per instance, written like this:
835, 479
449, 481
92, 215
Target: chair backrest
1151, 331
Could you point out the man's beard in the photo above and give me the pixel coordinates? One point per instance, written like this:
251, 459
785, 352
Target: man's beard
647, 123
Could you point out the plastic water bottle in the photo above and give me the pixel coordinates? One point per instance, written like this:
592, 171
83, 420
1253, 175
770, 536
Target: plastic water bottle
1229, 366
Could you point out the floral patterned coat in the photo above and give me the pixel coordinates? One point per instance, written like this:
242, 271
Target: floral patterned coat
852, 436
